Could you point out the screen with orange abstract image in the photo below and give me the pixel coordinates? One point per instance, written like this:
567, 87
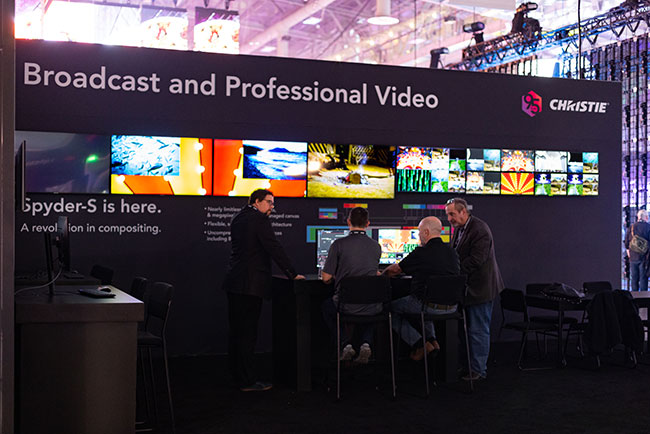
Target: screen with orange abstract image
243, 166
161, 165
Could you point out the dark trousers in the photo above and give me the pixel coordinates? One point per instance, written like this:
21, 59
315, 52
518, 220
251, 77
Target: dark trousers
243, 319
364, 331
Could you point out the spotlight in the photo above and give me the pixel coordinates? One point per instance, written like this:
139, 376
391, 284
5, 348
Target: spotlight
435, 56
521, 23
476, 28
473, 27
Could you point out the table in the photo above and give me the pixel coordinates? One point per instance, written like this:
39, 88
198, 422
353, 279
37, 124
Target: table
76, 361
642, 299
301, 338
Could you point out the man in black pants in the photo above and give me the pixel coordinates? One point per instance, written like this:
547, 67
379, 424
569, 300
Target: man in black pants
248, 280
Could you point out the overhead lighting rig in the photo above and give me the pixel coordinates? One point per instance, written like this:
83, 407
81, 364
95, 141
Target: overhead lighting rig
515, 45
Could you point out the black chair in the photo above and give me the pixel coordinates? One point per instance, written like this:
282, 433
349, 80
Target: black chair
515, 301
445, 290
153, 336
104, 274
578, 329
363, 290
138, 288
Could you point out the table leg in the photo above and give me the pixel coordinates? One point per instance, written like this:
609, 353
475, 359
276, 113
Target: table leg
303, 342
560, 330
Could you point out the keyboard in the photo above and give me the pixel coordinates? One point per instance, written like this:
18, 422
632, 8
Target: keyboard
96, 293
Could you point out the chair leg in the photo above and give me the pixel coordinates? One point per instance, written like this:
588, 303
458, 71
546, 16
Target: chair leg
153, 387
469, 361
169, 390
145, 386
392, 353
524, 339
426, 362
338, 356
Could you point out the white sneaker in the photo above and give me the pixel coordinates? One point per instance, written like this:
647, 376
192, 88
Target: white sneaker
364, 354
347, 353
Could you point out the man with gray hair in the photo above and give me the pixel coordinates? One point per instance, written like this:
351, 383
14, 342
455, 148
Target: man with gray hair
473, 241
638, 270
431, 258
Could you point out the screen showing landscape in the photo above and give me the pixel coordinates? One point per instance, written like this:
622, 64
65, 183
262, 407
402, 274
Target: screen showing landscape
350, 171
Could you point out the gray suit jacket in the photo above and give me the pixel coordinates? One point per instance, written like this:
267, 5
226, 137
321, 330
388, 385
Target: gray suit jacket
478, 261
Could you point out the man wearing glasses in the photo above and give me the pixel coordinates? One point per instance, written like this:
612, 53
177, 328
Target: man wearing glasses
473, 241
248, 280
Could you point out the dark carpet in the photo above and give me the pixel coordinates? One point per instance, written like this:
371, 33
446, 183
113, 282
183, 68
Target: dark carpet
576, 399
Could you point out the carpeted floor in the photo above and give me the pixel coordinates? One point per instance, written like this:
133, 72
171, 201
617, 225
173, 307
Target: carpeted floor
577, 399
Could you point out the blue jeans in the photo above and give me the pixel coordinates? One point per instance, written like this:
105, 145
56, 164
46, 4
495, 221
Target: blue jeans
478, 328
412, 305
638, 276
365, 331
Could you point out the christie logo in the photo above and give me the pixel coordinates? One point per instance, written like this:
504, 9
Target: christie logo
568, 105
531, 104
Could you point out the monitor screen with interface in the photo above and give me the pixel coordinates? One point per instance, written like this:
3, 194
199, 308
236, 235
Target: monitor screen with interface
396, 243
325, 239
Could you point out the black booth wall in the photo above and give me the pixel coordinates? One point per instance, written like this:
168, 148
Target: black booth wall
538, 239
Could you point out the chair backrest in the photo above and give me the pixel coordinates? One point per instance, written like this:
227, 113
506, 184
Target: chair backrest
159, 301
138, 288
445, 289
597, 287
536, 288
364, 290
513, 300
104, 274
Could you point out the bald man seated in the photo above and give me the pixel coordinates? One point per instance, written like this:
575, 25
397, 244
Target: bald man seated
432, 258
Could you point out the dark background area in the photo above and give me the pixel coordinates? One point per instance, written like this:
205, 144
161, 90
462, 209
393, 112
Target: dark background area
565, 239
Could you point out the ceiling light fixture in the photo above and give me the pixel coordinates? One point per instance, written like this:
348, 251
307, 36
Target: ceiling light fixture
382, 15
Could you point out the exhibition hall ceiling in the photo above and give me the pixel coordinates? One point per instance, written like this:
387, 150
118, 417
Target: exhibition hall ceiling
313, 29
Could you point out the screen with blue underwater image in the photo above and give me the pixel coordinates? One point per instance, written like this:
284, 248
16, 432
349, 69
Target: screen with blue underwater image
145, 155
275, 160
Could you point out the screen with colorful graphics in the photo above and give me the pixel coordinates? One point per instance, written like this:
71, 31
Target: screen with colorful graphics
161, 165
325, 239
517, 183
351, 171
413, 169
243, 166
396, 243
517, 160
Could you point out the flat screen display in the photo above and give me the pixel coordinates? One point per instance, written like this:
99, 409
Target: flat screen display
590, 162
589, 185
266, 159
65, 163
413, 169
550, 184
517, 160
575, 184
517, 184
396, 243
351, 171
551, 161
439, 170
275, 160
161, 165
325, 238
457, 170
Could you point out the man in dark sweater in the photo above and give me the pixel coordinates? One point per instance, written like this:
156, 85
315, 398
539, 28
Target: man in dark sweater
248, 280
431, 258
638, 271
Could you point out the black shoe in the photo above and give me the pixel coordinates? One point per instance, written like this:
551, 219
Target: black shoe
259, 386
475, 377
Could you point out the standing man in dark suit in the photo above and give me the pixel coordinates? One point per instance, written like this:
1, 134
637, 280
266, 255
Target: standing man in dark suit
248, 280
473, 241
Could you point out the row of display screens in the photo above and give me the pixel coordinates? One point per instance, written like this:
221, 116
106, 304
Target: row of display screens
127, 164
396, 243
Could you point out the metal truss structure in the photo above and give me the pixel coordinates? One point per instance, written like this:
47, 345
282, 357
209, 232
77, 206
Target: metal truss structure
628, 16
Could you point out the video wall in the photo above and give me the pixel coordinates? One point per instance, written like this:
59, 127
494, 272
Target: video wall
131, 164
497, 171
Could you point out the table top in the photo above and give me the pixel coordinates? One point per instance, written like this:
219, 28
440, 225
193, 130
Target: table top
68, 305
642, 299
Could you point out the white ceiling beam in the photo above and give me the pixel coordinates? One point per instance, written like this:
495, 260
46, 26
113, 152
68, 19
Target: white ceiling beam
282, 27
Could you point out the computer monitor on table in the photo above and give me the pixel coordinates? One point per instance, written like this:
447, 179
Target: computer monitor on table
59, 240
325, 238
396, 244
